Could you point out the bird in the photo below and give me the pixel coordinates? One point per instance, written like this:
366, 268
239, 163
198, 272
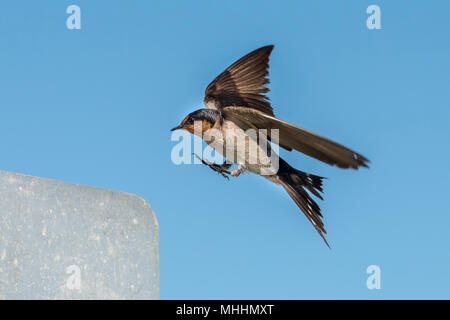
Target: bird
243, 129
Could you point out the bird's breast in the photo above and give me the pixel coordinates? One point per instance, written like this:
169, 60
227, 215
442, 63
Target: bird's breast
241, 147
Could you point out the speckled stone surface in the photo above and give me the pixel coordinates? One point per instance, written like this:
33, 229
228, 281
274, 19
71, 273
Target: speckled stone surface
65, 241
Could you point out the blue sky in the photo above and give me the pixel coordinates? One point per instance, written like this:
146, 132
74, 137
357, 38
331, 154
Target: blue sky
94, 106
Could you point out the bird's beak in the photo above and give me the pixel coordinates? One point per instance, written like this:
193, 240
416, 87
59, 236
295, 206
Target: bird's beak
176, 128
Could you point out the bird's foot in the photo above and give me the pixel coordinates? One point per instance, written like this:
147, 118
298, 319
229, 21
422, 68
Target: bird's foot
237, 172
219, 168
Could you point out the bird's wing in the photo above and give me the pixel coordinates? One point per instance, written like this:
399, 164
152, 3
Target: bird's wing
293, 137
242, 84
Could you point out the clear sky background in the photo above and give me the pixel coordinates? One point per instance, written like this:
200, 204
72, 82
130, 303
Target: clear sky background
94, 106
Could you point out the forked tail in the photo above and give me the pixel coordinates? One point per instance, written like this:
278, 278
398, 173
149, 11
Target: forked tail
296, 182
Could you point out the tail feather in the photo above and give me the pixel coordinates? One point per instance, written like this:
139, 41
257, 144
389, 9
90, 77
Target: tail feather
311, 182
296, 182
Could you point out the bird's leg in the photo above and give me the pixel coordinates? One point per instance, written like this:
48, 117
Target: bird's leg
236, 172
222, 169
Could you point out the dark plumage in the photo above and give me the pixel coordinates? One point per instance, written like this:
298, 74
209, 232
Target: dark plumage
210, 115
243, 83
295, 182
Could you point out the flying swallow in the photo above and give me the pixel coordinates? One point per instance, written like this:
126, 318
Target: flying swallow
238, 111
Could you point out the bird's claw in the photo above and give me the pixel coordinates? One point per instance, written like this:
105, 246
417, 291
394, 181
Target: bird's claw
235, 173
221, 169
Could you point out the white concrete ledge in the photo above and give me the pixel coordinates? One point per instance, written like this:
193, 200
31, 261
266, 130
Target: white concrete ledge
65, 241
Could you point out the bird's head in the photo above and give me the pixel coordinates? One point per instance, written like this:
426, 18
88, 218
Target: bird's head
205, 118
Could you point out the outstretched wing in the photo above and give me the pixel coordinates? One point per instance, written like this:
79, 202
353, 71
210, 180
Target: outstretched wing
293, 137
242, 84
